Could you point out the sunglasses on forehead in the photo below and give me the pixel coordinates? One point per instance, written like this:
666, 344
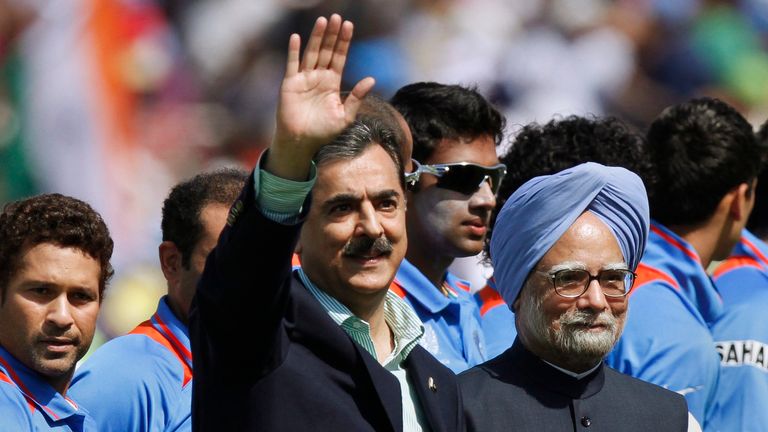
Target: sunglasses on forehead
462, 177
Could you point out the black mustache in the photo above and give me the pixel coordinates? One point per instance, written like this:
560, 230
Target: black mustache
360, 245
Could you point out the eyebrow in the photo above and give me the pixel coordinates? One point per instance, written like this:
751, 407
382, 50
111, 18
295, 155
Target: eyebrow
342, 198
576, 265
46, 284
388, 193
345, 198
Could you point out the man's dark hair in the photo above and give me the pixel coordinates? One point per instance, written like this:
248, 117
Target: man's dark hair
181, 222
700, 150
564, 143
758, 220
373, 107
356, 138
57, 219
439, 111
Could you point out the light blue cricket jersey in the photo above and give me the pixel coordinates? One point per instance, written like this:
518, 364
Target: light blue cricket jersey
141, 381
741, 337
28, 403
452, 331
667, 338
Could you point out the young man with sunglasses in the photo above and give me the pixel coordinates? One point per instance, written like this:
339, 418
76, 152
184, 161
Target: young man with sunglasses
564, 250
455, 135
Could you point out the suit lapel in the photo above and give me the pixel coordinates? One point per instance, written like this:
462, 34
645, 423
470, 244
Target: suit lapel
387, 387
426, 387
344, 348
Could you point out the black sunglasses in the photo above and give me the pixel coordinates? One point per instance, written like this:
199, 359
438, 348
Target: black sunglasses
464, 177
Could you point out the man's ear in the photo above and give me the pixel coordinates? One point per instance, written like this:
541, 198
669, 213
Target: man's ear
170, 261
742, 198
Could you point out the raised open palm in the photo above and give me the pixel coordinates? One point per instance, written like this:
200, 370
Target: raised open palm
311, 110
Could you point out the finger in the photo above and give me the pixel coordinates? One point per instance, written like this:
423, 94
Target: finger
342, 47
309, 61
292, 65
329, 42
352, 103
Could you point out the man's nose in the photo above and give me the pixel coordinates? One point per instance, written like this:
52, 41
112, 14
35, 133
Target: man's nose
483, 197
593, 298
59, 312
368, 223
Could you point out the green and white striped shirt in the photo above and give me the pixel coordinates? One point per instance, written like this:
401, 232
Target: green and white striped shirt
407, 330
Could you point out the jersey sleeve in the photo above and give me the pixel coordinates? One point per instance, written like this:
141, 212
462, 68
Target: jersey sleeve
124, 391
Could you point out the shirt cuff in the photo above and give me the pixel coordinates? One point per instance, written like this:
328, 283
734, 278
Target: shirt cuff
280, 199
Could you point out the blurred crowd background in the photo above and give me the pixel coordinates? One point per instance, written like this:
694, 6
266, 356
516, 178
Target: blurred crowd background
114, 101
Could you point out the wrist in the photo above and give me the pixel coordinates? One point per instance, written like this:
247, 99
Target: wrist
289, 165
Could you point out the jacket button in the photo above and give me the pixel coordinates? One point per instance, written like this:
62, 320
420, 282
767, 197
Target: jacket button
586, 421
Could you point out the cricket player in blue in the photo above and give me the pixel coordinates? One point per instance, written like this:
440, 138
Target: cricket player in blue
741, 336
706, 159
150, 369
455, 134
54, 267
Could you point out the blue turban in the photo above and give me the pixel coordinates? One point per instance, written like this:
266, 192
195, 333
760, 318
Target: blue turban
542, 209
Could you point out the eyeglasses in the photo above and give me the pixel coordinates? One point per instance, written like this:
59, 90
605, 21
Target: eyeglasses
574, 283
462, 177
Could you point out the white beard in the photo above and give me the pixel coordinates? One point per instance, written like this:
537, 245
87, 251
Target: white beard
571, 339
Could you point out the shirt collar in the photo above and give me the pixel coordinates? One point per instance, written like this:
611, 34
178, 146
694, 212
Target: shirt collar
36, 391
573, 374
401, 319
166, 322
753, 247
674, 256
173, 323
420, 289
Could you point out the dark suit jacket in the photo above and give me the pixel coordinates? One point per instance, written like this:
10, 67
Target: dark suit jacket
267, 357
516, 391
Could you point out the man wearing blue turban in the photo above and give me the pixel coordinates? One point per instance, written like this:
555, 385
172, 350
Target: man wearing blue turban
564, 250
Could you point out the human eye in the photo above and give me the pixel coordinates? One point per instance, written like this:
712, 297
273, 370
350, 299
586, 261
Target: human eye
40, 290
82, 297
612, 276
340, 209
615, 282
568, 278
388, 204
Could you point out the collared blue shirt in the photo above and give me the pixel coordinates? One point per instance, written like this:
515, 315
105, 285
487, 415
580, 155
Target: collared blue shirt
141, 381
496, 319
28, 403
741, 337
452, 331
667, 338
